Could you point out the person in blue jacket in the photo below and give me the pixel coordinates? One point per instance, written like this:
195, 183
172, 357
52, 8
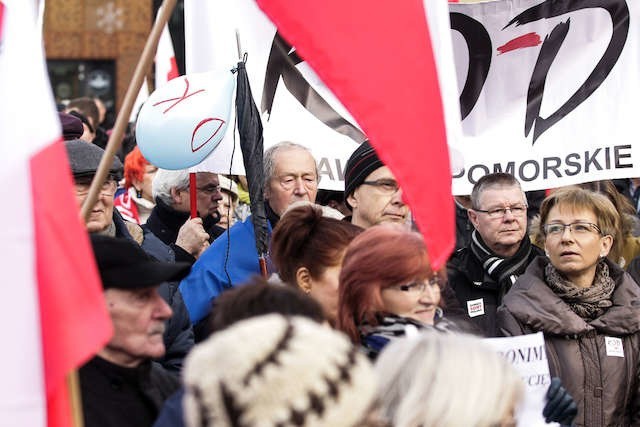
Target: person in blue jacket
291, 175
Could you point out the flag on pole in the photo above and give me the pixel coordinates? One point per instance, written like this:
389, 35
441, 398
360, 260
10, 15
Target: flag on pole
166, 65
52, 314
378, 59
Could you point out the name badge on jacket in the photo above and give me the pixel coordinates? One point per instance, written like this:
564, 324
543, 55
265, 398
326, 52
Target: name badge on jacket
475, 307
614, 346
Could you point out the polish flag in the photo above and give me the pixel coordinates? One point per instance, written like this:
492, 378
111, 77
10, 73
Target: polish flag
52, 313
378, 58
166, 65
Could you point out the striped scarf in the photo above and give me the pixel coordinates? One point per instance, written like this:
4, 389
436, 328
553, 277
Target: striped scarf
504, 271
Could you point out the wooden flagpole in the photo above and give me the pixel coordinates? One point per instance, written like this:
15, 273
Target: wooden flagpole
114, 143
115, 140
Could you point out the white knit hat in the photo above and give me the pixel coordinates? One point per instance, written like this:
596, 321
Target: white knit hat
228, 185
276, 371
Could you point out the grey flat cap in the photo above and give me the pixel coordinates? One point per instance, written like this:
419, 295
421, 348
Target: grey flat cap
84, 158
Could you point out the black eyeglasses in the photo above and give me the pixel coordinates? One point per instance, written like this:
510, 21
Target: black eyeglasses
576, 228
516, 210
387, 186
419, 286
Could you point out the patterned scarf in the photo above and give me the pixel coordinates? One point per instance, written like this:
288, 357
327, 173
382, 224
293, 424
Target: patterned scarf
588, 303
373, 338
504, 271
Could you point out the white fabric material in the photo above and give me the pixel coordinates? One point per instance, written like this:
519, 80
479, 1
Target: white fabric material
27, 124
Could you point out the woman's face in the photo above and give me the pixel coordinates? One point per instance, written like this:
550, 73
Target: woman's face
325, 290
416, 300
575, 251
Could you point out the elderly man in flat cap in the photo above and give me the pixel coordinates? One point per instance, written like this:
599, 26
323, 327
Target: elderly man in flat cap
121, 386
84, 159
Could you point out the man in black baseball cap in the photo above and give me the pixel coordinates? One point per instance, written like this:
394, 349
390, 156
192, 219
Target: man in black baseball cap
121, 385
371, 190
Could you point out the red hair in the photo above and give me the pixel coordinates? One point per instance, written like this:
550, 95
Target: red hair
381, 257
134, 166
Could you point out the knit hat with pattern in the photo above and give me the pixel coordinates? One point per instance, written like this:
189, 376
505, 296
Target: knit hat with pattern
277, 371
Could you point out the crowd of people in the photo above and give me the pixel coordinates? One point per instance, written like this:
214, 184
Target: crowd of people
352, 326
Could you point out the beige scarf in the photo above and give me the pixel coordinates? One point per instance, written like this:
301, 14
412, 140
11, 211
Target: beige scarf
588, 303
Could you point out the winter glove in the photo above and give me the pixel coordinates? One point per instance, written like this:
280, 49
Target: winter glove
560, 407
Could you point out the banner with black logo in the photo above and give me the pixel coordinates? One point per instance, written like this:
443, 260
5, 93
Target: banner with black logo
548, 90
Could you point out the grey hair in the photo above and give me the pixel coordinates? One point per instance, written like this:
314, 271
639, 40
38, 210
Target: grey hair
164, 180
431, 368
498, 179
268, 159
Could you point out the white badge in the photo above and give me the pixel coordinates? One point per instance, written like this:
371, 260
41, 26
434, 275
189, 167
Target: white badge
614, 346
475, 307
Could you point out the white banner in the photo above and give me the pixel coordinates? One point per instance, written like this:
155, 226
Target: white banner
528, 356
210, 32
551, 93
294, 103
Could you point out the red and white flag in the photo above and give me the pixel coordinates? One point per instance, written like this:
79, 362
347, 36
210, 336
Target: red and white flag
52, 312
378, 59
166, 65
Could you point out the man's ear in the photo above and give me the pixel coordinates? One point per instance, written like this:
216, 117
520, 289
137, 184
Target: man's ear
473, 217
176, 196
303, 279
351, 198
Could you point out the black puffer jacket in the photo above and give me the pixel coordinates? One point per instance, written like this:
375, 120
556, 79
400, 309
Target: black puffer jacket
477, 293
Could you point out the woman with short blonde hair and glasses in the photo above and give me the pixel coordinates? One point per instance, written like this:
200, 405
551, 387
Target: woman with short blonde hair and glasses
586, 306
387, 288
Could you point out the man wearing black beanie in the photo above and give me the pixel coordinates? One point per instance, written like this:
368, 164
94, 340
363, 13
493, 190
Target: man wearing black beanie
371, 190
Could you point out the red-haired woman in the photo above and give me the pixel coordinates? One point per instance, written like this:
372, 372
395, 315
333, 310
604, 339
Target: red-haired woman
307, 249
387, 288
136, 203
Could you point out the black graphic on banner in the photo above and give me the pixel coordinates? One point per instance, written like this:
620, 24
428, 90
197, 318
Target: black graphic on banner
619, 12
480, 50
282, 63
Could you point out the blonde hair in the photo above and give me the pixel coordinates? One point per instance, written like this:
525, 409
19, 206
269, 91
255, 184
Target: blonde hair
445, 380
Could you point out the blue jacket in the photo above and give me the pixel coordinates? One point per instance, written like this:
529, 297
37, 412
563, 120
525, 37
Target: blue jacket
208, 277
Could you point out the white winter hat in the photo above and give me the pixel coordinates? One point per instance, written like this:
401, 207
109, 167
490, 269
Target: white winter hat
277, 371
229, 186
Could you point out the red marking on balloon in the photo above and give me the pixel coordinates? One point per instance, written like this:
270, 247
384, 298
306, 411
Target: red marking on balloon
173, 69
202, 123
1, 19
179, 99
527, 40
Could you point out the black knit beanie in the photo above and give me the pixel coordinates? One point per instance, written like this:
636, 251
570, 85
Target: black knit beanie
362, 162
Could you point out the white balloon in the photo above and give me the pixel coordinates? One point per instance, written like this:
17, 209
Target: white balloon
184, 120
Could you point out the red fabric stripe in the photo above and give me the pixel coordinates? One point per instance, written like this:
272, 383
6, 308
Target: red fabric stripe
1, 19
378, 60
74, 319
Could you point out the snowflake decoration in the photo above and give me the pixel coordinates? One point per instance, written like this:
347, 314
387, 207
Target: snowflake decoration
109, 18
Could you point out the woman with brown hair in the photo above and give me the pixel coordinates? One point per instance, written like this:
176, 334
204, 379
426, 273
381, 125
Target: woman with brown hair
387, 288
307, 249
586, 306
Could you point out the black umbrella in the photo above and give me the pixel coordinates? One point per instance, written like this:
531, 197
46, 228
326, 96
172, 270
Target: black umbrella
251, 143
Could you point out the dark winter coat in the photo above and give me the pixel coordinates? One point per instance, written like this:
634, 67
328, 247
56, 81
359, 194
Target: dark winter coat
470, 284
605, 386
178, 335
115, 396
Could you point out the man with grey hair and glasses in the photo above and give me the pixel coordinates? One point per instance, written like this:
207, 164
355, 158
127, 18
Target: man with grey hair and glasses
291, 175
170, 218
499, 251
